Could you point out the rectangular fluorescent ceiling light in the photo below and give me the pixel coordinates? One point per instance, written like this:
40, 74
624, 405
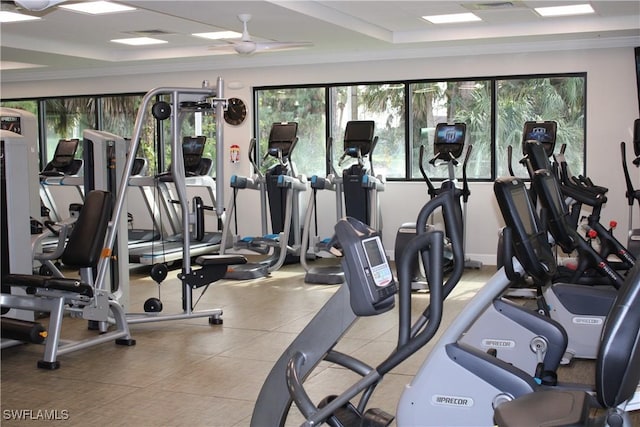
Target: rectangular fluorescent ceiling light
6, 16
218, 35
575, 9
139, 41
452, 18
97, 7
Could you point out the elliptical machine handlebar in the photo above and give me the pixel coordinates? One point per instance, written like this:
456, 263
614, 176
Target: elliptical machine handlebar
431, 189
465, 183
451, 212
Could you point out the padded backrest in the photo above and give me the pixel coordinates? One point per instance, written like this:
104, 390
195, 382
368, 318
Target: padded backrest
618, 364
359, 134
87, 237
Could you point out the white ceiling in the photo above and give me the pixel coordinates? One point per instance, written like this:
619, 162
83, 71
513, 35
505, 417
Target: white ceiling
66, 44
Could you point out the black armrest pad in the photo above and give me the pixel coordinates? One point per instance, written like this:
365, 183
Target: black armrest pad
220, 260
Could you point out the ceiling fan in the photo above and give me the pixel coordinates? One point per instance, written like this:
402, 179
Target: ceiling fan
246, 45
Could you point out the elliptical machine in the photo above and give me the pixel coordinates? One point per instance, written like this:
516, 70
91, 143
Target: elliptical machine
361, 200
369, 290
281, 187
448, 146
359, 180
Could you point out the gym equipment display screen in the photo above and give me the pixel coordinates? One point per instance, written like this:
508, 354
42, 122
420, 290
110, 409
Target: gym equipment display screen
380, 271
282, 137
543, 132
11, 123
65, 152
449, 138
192, 149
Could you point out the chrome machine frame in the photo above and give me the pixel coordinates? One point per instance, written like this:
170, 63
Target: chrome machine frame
178, 95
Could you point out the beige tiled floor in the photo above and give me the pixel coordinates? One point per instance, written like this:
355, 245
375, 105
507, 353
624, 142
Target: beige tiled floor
189, 373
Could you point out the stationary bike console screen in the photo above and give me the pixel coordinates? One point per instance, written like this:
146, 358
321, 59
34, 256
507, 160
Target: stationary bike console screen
543, 132
449, 140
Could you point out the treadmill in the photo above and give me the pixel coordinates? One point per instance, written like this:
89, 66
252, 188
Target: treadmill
170, 247
63, 170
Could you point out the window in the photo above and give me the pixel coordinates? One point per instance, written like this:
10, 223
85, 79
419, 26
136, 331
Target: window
67, 118
385, 105
493, 109
406, 113
561, 99
307, 107
467, 102
118, 117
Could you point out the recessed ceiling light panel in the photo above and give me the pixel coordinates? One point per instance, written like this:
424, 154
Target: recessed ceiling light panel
574, 9
452, 18
139, 41
97, 7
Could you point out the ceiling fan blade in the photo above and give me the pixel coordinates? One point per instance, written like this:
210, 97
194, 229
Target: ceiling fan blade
247, 46
280, 46
223, 48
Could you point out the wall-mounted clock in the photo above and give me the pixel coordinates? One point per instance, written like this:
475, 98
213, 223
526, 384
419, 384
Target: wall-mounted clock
236, 111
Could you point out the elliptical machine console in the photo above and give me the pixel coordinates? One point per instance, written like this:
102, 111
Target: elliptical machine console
449, 142
371, 284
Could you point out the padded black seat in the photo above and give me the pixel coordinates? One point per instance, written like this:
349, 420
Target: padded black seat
32, 282
205, 260
52, 295
82, 251
214, 268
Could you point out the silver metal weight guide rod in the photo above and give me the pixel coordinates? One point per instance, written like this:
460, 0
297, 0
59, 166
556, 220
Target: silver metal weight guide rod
177, 168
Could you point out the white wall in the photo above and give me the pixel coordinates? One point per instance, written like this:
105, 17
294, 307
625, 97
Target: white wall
612, 105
